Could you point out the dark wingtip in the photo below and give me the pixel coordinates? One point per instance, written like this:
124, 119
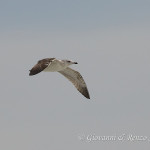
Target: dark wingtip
87, 96
31, 73
86, 93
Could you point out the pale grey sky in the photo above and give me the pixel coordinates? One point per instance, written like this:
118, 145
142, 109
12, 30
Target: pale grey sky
110, 42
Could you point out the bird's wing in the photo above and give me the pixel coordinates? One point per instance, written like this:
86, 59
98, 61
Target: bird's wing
78, 81
40, 66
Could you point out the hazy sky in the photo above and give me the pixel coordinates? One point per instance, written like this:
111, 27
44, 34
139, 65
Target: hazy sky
109, 40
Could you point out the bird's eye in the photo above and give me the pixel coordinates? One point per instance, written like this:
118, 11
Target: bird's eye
69, 61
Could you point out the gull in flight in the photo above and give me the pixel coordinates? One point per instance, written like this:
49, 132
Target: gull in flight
61, 66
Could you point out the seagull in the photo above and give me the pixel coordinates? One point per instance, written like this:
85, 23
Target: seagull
61, 66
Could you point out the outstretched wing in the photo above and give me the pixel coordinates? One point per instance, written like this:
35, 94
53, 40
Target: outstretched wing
40, 66
78, 81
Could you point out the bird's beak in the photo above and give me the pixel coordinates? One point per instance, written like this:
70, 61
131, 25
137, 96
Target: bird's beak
75, 63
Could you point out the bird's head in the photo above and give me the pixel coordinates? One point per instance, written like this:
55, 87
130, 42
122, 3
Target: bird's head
69, 62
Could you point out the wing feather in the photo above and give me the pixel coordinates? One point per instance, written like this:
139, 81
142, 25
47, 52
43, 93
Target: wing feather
40, 66
77, 80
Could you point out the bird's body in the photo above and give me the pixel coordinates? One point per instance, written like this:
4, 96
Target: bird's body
61, 66
55, 65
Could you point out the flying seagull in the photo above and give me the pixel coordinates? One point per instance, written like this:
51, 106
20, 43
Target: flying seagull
61, 66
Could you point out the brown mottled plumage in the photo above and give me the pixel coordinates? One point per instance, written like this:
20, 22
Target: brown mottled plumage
77, 80
40, 66
61, 66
